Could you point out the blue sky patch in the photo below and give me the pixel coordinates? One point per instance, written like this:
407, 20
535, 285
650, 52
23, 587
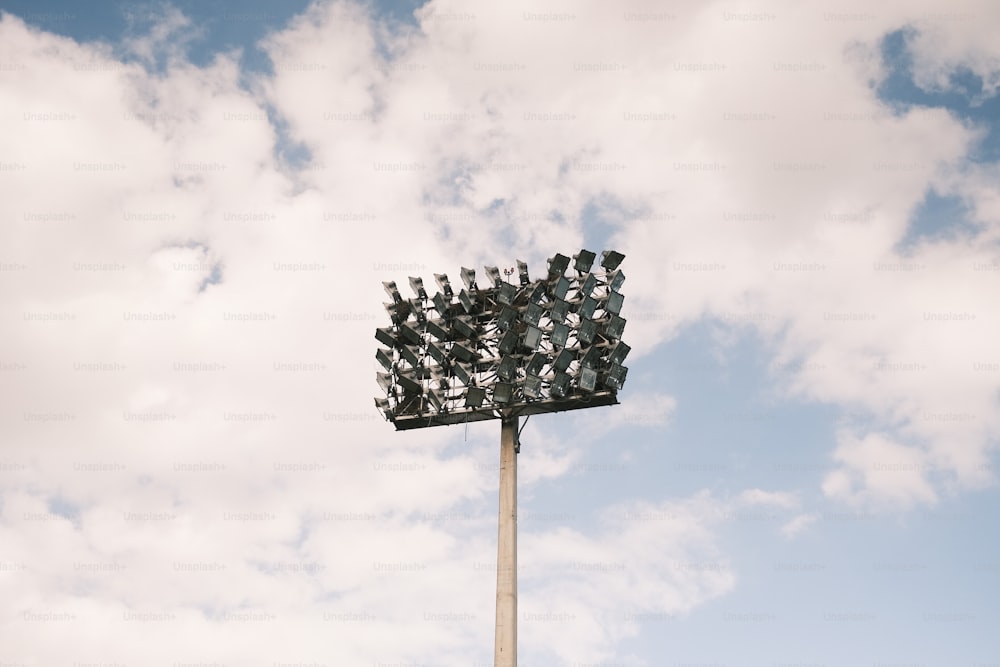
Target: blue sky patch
963, 99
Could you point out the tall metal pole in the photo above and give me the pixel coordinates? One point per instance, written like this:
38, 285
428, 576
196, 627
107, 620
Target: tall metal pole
505, 646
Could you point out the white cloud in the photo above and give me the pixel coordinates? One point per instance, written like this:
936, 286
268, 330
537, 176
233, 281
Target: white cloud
782, 499
878, 471
651, 561
644, 409
797, 524
944, 41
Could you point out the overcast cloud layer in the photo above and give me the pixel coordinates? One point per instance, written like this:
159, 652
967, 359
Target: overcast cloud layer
190, 463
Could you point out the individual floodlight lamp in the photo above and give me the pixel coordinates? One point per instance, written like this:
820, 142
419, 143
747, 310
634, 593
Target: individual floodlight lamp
532, 386
588, 284
618, 352
562, 287
441, 303
560, 384
411, 357
507, 370
532, 313
409, 385
410, 334
591, 357
444, 285
537, 293
532, 337
474, 397
463, 353
586, 331
614, 327
392, 291
463, 376
463, 328
614, 302
506, 293
503, 392
508, 343
563, 359
610, 259
587, 307
417, 285
493, 274
535, 363
438, 329
522, 273
558, 265
583, 261
616, 377
588, 378
615, 279
437, 354
560, 335
469, 278
384, 336
383, 357
559, 310
466, 300
435, 399
507, 318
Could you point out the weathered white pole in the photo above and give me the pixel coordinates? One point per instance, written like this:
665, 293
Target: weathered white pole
505, 646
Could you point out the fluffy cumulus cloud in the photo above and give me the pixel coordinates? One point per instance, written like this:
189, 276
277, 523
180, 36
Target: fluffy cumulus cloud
190, 257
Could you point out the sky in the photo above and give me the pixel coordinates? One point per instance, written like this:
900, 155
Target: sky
199, 204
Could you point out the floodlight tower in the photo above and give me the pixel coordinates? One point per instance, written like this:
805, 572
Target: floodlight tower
503, 351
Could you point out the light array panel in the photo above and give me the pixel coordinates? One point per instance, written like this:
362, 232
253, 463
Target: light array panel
543, 345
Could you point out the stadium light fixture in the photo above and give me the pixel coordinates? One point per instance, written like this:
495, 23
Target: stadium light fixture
504, 352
